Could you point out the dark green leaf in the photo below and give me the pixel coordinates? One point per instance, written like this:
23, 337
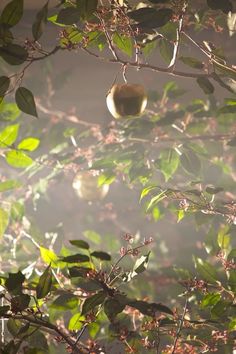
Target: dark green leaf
192, 62
4, 309
86, 8
92, 302
25, 101
13, 54
20, 303
78, 272
149, 309
221, 82
14, 283
68, 16
75, 258
12, 13
44, 284
88, 284
112, 307
205, 85
151, 18
103, 256
4, 85
223, 5
229, 109
219, 309
80, 244
214, 190
39, 23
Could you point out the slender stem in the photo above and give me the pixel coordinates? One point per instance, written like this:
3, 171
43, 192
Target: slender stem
154, 68
181, 322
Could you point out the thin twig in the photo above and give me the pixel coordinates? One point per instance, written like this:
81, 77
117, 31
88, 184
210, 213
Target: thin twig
181, 322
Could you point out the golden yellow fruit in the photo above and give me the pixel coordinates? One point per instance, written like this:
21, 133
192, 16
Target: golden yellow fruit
86, 187
126, 100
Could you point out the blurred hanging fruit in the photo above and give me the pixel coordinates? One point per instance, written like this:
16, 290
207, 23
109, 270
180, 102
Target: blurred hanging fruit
126, 100
86, 187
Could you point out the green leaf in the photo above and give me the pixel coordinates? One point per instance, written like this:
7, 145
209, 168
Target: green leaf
157, 198
4, 219
166, 49
141, 264
14, 282
65, 302
93, 301
25, 101
44, 284
68, 16
219, 309
205, 85
80, 244
40, 21
190, 162
210, 300
103, 256
206, 270
92, 236
168, 162
192, 62
76, 322
18, 159
13, 54
29, 144
17, 211
146, 191
4, 85
9, 185
8, 135
123, 43
9, 111
49, 257
231, 275
12, 13
224, 239
232, 324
